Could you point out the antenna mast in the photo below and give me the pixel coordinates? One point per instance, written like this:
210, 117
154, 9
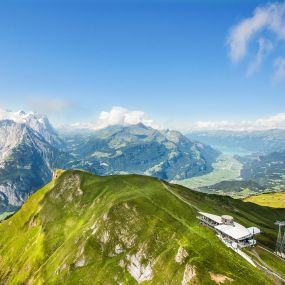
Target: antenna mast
280, 242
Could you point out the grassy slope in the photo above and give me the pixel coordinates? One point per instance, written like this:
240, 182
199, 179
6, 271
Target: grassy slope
81, 218
270, 259
275, 200
246, 213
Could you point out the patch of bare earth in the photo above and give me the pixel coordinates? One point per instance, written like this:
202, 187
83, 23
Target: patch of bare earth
189, 274
220, 279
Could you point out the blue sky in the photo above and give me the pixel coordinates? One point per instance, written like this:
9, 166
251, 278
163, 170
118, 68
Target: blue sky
170, 59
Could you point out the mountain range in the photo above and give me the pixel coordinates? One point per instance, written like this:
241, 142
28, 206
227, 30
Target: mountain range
29, 151
30, 148
242, 142
140, 149
265, 169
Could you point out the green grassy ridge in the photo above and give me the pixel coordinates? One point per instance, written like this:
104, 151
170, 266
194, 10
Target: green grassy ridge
48, 239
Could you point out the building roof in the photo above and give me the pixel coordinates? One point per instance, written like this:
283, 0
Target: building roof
254, 230
235, 231
212, 217
227, 217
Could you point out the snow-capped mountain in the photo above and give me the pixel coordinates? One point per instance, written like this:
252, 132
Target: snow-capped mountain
29, 150
37, 122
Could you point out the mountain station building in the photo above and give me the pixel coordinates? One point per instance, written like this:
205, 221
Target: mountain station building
228, 230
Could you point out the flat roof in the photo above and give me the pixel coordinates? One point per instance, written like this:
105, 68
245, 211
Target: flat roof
227, 217
236, 231
215, 218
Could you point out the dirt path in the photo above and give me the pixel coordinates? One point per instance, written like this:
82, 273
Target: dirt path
179, 197
266, 267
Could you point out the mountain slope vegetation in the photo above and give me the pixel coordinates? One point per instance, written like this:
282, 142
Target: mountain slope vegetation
130, 229
267, 170
142, 150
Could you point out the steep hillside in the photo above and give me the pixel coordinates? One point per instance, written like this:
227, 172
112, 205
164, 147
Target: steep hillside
139, 149
86, 229
267, 170
29, 150
37, 122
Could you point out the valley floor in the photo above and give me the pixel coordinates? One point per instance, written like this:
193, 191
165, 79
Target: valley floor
225, 168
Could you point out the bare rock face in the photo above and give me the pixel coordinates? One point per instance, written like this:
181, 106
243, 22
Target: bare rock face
140, 271
80, 262
181, 255
29, 150
189, 274
219, 278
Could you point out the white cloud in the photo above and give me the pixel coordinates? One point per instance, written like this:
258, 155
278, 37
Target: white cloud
273, 122
118, 116
241, 34
279, 67
270, 19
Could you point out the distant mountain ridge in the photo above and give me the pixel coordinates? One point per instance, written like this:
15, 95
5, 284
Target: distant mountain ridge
30, 148
140, 149
242, 141
267, 169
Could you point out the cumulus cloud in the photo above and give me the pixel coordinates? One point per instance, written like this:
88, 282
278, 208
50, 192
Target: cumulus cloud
119, 116
273, 122
49, 106
270, 19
